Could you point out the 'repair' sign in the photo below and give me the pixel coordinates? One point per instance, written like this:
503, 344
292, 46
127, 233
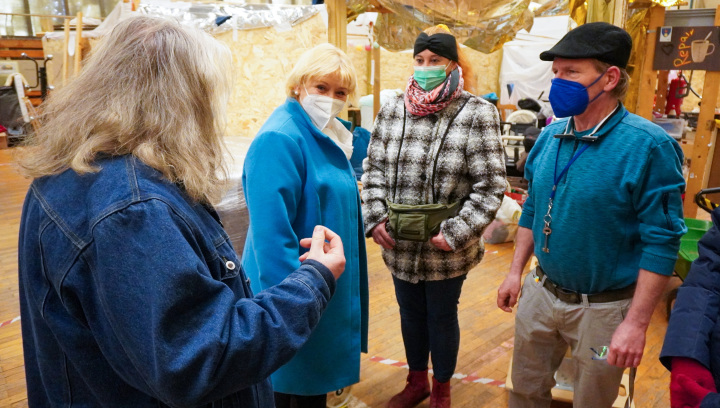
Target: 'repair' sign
687, 48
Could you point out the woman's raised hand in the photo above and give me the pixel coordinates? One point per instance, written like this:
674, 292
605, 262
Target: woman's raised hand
326, 248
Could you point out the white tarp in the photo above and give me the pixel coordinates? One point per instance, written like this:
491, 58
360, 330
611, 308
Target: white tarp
522, 73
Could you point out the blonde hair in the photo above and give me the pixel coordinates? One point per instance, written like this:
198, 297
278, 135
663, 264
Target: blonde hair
320, 61
463, 61
153, 89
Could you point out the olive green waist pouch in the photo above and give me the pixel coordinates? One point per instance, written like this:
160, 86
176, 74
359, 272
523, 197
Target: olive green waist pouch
418, 222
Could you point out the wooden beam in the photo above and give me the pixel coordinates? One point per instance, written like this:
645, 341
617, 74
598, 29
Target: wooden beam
16, 53
620, 13
646, 91
24, 44
375, 6
37, 15
337, 23
337, 31
705, 138
701, 160
368, 72
662, 92
376, 82
714, 178
34, 97
66, 57
78, 47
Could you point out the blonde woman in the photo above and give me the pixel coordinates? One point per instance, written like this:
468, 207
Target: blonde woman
130, 291
435, 150
296, 175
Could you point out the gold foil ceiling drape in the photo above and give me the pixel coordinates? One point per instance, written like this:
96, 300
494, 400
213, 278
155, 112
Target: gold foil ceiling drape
577, 9
637, 24
663, 3
483, 25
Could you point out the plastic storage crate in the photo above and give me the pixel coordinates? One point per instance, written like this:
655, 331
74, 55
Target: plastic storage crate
673, 127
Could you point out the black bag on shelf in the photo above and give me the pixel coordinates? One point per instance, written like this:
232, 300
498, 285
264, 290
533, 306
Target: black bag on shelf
11, 115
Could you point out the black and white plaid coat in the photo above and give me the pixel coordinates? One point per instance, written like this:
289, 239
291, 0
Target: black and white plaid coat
470, 168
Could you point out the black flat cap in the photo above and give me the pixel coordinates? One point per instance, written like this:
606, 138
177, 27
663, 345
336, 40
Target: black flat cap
602, 41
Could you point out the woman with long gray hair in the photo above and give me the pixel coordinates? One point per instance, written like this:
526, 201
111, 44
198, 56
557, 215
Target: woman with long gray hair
130, 291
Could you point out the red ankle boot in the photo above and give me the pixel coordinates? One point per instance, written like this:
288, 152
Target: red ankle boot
417, 388
440, 397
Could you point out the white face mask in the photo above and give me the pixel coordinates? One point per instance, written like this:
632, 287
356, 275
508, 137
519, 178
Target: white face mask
321, 109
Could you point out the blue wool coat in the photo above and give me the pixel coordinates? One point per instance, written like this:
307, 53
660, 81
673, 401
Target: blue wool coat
294, 178
694, 327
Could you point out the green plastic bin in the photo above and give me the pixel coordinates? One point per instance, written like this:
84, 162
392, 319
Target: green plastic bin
689, 245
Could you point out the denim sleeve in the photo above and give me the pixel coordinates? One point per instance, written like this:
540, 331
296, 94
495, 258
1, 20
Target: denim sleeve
697, 308
658, 203
176, 332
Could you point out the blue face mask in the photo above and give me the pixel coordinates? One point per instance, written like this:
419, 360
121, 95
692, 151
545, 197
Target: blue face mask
570, 98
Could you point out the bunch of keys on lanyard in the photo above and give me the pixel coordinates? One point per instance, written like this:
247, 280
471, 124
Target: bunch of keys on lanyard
556, 178
548, 219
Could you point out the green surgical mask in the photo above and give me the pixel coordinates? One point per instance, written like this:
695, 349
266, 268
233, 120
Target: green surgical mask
430, 77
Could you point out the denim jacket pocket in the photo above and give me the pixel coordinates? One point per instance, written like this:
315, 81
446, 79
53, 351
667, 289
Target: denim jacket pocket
229, 267
226, 262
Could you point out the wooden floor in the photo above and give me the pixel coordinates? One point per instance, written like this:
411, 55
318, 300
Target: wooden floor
486, 342
12, 369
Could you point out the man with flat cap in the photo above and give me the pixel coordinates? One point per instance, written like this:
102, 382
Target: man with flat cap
604, 219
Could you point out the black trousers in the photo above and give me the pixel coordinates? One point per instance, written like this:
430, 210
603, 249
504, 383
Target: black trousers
300, 401
429, 323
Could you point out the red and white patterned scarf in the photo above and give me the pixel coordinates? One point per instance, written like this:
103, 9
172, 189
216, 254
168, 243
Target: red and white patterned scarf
420, 102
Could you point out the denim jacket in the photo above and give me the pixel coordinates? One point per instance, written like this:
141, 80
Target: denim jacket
131, 295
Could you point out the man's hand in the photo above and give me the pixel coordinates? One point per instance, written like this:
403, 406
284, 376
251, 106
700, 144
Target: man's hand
627, 345
381, 236
508, 292
690, 383
326, 248
440, 242
628, 341
510, 288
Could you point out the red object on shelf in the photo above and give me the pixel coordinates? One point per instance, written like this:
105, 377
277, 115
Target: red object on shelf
520, 198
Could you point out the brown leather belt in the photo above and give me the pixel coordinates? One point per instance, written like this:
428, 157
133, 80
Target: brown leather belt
570, 296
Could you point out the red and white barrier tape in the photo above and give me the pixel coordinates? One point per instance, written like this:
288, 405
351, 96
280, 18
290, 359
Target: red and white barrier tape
459, 376
3, 324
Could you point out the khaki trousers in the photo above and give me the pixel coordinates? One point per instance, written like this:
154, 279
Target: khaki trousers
544, 329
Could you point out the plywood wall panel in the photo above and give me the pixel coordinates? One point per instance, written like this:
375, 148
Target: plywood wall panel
262, 60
